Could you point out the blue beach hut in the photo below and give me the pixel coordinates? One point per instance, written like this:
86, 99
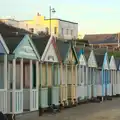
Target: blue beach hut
103, 73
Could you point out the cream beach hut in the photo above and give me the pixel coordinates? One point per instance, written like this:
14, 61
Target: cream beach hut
49, 69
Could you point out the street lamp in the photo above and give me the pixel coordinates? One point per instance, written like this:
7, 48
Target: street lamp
51, 10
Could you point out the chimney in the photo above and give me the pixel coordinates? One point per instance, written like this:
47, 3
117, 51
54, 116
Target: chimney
38, 14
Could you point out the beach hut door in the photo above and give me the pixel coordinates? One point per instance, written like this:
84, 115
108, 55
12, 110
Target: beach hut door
30, 96
3, 86
82, 81
33, 87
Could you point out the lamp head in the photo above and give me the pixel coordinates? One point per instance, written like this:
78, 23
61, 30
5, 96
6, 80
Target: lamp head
53, 10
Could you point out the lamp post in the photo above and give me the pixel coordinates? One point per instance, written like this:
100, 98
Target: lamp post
51, 10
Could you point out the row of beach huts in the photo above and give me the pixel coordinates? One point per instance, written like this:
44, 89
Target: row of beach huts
37, 73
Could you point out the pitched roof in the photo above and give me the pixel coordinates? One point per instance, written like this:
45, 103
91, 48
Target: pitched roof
12, 42
112, 39
99, 59
117, 61
63, 48
101, 38
99, 54
40, 43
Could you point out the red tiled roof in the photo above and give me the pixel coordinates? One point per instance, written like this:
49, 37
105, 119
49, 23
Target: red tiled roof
97, 37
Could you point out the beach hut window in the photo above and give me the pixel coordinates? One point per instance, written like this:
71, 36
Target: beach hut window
54, 74
10, 76
26, 76
18, 76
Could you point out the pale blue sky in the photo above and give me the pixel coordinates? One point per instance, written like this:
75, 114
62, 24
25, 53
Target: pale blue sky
93, 16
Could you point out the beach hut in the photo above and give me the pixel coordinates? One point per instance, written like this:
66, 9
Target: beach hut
115, 81
49, 84
113, 77
63, 49
22, 74
3, 75
86, 51
117, 61
72, 61
69, 76
103, 73
92, 74
99, 55
82, 73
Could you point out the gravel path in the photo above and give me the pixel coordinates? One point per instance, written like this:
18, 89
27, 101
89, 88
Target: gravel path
107, 110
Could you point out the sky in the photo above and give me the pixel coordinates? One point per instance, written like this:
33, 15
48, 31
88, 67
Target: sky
93, 16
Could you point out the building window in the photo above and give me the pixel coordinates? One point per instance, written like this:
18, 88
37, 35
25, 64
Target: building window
47, 30
26, 25
31, 30
55, 30
67, 31
71, 32
62, 31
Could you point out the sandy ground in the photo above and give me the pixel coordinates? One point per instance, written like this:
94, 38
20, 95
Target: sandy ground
105, 115
107, 110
